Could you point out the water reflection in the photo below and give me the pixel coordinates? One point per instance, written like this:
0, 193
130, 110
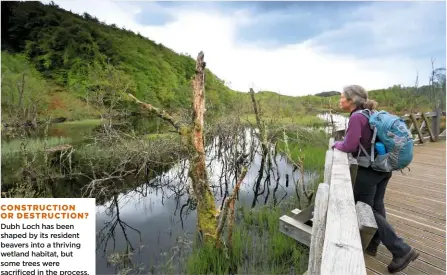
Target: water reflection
157, 220
339, 121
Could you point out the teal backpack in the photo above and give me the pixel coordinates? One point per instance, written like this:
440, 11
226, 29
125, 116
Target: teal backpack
392, 131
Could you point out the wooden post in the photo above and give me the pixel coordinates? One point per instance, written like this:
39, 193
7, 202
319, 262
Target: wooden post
413, 119
303, 215
338, 135
328, 166
432, 136
353, 167
318, 229
331, 142
367, 222
328, 162
436, 123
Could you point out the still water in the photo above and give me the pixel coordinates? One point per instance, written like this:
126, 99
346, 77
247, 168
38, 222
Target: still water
160, 219
154, 220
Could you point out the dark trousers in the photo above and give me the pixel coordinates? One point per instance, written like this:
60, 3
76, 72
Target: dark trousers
370, 186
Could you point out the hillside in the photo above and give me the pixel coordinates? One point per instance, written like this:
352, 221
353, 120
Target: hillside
59, 64
78, 52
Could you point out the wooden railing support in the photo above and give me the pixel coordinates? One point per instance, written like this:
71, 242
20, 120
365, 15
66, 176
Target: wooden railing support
433, 137
297, 225
339, 134
436, 123
303, 215
353, 167
367, 222
418, 130
295, 229
318, 229
328, 166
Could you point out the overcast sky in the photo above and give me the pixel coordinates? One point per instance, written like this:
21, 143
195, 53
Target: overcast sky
294, 48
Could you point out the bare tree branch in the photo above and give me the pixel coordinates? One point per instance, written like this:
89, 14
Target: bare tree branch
229, 203
159, 112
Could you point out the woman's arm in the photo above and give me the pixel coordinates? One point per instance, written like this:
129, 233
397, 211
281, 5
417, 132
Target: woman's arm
353, 134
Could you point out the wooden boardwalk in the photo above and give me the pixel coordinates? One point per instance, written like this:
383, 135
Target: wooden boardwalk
416, 207
337, 230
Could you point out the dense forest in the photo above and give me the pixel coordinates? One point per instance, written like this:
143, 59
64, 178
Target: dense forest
57, 64
75, 56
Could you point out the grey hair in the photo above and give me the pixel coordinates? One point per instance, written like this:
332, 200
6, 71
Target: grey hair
359, 96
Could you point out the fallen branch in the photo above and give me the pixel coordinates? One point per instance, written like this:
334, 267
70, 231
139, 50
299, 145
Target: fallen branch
159, 112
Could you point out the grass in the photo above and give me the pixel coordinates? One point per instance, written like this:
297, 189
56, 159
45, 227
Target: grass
258, 246
32, 145
302, 120
308, 145
160, 135
83, 122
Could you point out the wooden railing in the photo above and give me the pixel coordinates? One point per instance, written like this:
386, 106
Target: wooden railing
335, 228
433, 130
425, 130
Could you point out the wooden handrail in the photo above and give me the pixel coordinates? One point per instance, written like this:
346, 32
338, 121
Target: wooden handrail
342, 249
339, 228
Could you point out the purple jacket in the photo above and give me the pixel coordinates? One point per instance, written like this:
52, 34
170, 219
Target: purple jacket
358, 132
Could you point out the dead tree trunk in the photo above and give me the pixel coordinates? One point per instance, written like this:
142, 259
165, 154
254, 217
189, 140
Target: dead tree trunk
206, 208
193, 138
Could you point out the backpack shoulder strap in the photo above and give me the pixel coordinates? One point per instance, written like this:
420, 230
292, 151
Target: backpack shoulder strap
367, 113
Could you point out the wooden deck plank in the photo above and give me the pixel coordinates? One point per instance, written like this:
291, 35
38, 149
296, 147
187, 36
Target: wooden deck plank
416, 217
426, 228
433, 155
417, 231
419, 192
426, 183
415, 204
419, 239
371, 272
431, 205
422, 181
419, 179
404, 206
422, 199
422, 172
420, 168
435, 221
